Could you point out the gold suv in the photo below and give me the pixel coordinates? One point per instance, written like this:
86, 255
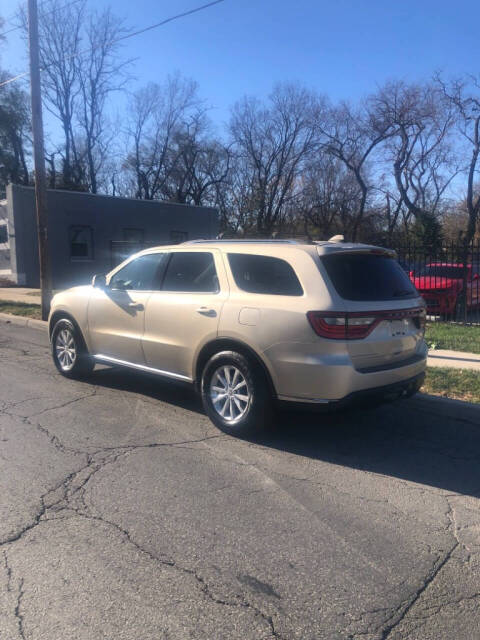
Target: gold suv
250, 324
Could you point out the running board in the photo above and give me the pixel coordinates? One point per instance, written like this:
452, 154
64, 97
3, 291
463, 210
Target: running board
141, 367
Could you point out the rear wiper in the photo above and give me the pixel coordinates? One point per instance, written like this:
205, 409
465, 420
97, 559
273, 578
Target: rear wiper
399, 294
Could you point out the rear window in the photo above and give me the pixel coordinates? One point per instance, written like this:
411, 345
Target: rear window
366, 276
264, 274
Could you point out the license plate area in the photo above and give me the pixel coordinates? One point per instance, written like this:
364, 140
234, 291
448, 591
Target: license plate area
399, 327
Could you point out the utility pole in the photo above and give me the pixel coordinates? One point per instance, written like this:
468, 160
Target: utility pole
39, 159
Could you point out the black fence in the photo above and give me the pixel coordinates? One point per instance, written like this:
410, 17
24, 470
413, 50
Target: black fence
448, 278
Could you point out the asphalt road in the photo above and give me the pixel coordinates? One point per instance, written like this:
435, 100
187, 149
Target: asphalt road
124, 514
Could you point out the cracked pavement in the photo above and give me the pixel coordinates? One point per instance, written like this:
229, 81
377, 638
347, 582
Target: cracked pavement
124, 514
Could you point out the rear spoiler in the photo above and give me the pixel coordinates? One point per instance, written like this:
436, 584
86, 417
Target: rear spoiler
342, 248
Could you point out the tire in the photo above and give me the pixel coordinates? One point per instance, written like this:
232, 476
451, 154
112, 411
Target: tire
242, 413
69, 352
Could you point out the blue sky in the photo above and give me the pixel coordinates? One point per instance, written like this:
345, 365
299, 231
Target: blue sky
343, 48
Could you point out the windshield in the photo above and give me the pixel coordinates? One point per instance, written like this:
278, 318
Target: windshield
441, 271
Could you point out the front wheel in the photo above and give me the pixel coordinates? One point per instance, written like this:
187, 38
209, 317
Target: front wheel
69, 352
235, 394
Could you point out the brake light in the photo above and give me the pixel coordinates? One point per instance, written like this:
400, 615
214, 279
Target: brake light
358, 325
341, 326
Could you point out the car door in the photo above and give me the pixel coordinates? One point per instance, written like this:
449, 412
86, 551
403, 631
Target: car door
116, 314
184, 315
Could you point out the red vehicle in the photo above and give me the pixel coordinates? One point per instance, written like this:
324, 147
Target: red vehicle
440, 285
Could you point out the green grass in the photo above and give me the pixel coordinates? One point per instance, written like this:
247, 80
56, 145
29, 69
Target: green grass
461, 384
21, 309
444, 335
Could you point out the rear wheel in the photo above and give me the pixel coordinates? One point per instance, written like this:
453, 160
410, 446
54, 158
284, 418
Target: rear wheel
68, 350
235, 394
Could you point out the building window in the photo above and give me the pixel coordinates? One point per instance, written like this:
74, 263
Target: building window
176, 237
3, 233
133, 235
81, 243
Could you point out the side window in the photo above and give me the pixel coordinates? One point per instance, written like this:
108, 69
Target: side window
140, 274
264, 274
191, 271
81, 243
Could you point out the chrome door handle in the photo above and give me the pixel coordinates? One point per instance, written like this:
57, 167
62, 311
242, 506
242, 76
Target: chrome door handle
136, 305
205, 311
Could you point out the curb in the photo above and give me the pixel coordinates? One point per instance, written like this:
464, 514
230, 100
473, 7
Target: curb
22, 321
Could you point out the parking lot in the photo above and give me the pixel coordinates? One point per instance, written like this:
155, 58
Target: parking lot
124, 514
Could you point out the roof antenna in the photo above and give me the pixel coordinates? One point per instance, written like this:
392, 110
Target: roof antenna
338, 238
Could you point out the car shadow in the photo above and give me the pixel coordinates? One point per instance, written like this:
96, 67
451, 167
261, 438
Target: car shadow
426, 440
164, 390
430, 441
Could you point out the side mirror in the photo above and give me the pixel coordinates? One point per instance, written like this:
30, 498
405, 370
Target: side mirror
99, 281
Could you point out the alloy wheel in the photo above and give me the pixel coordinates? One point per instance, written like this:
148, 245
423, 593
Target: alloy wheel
229, 393
65, 349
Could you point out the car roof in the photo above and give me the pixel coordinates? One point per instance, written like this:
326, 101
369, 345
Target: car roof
274, 246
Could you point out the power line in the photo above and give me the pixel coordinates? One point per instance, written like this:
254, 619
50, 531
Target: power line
160, 24
47, 13
128, 35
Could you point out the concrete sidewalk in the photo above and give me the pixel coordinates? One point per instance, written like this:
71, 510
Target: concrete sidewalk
20, 294
453, 359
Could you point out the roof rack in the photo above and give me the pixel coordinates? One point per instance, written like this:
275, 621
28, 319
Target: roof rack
240, 241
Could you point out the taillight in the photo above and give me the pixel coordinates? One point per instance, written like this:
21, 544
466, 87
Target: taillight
358, 325
328, 325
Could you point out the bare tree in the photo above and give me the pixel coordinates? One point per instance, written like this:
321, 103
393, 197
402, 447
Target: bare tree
80, 69
100, 73
330, 197
352, 136
273, 143
418, 148
156, 115
464, 97
60, 37
14, 134
200, 163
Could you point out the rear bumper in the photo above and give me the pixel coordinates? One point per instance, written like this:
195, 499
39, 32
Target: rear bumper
308, 373
389, 392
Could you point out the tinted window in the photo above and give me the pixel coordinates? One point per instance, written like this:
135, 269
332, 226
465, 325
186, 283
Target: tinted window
264, 274
141, 274
363, 276
191, 271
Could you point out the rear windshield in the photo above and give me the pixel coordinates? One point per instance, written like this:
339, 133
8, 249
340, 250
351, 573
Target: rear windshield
366, 276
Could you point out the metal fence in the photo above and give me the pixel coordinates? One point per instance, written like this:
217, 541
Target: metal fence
447, 277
